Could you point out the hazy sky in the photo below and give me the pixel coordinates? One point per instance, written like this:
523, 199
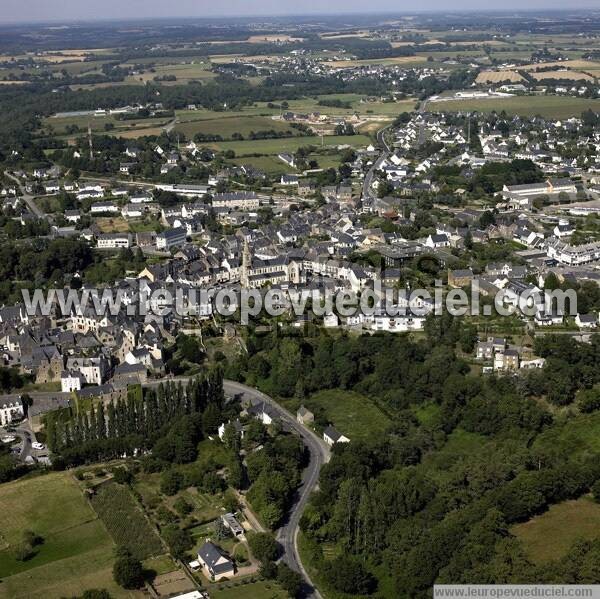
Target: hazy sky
60, 10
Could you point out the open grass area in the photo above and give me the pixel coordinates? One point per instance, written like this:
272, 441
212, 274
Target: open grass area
76, 553
578, 435
276, 146
563, 524
226, 126
253, 590
557, 107
354, 415
125, 521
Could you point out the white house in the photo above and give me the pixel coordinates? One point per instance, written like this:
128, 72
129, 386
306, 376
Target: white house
9, 411
71, 380
331, 436
214, 562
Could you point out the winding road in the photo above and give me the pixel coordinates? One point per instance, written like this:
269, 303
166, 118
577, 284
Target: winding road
319, 454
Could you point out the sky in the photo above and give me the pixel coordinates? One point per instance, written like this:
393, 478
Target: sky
74, 10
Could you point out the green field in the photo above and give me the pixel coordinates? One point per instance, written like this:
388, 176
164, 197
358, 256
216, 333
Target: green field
555, 107
579, 435
226, 126
564, 524
125, 521
255, 590
352, 414
76, 553
276, 146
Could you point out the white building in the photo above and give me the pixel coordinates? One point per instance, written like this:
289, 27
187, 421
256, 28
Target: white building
9, 411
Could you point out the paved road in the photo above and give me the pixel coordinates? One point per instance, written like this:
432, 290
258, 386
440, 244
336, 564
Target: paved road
28, 199
319, 455
318, 450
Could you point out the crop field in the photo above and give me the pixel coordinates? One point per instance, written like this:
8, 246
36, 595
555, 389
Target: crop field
407, 61
183, 72
574, 75
584, 65
76, 553
564, 523
498, 76
556, 107
227, 126
125, 521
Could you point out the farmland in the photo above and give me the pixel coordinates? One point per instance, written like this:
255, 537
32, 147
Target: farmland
564, 523
227, 126
498, 76
76, 553
546, 106
125, 521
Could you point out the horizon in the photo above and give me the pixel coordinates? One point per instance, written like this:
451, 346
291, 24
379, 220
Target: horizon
73, 13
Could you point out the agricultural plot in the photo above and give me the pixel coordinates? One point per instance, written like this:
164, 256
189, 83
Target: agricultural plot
276, 146
76, 554
125, 521
574, 75
564, 523
498, 76
557, 107
228, 126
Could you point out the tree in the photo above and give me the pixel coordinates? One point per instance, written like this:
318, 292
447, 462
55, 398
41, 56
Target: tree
179, 541
128, 571
182, 506
290, 580
264, 547
171, 482
348, 575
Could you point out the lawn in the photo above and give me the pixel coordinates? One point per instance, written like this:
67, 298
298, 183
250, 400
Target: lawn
354, 415
77, 552
254, 590
125, 521
557, 107
563, 523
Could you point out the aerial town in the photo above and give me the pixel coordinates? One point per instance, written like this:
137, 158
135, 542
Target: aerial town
204, 453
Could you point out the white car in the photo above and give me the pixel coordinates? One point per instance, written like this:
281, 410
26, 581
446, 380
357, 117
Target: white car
38, 446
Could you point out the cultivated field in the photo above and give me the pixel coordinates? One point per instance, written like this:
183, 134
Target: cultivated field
574, 75
564, 523
556, 107
227, 126
77, 553
125, 521
498, 76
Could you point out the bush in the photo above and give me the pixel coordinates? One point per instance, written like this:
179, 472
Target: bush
171, 482
596, 491
350, 576
182, 506
122, 476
